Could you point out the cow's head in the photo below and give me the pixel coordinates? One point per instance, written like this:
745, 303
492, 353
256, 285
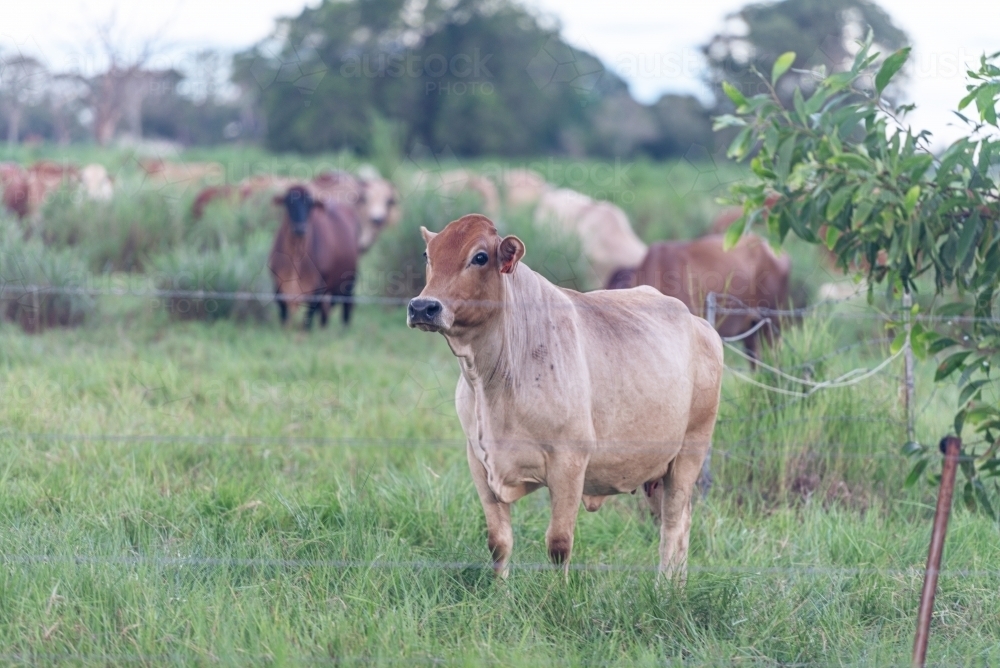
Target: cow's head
298, 203
378, 203
465, 266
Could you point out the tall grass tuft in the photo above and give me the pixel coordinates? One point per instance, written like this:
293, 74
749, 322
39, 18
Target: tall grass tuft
778, 448
26, 264
230, 268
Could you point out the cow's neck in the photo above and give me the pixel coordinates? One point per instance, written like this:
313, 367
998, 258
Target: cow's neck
490, 356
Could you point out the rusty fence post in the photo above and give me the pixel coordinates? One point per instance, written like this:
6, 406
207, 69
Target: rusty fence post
951, 446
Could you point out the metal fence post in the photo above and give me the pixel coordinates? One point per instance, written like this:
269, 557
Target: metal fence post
710, 308
951, 446
908, 365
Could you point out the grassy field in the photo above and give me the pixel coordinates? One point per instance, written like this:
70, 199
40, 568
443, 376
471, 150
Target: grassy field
175, 491
191, 493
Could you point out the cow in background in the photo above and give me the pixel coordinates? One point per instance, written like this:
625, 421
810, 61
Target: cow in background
315, 255
749, 277
603, 230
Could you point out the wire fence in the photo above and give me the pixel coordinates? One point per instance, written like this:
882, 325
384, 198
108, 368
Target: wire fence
14, 291
730, 449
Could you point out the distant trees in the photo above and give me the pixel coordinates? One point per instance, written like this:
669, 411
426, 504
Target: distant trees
821, 33
482, 77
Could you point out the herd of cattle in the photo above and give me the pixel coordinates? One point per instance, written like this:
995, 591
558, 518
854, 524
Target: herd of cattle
330, 220
321, 218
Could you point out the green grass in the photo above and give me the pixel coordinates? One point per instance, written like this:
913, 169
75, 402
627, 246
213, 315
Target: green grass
184, 492
256, 474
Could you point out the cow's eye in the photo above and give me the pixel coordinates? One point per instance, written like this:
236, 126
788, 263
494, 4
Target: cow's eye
426, 259
480, 258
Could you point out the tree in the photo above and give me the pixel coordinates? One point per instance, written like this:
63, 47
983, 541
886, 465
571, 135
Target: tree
480, 76
22, 83
821, 34
851, 175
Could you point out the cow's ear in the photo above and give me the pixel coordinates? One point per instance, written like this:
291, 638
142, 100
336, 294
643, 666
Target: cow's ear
427, 234
510, 252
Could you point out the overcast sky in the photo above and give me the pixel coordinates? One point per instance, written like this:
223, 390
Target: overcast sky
652, 45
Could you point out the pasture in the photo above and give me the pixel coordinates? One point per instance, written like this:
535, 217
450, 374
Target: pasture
224, 491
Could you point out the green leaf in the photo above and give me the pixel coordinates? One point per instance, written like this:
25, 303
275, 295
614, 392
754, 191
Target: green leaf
733, 93
852, 160
910, 201
971, 227
734, 233
916, 472
950, 364
910, 448
952, 309
837, 202
832, 234
889, 68
940, 344
781, 65
984, 500
971, 389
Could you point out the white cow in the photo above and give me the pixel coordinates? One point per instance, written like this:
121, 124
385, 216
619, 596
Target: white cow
606, 238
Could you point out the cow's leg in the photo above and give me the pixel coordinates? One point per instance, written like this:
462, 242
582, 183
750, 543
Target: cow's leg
500, 535
283, 311
324, 312
310, 310
675, 512
565, 481
348, 293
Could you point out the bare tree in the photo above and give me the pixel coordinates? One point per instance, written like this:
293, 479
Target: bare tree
116, 94
22, 83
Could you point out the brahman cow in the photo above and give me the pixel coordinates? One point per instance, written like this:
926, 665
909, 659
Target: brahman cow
183, 173
315, 254
456, 181
522, 188
587, 394
606, 238
374, 199
749, 277
97, 184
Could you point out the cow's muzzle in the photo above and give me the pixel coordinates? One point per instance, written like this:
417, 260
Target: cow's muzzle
425, 314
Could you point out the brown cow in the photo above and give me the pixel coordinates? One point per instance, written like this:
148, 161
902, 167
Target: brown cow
25, 191
749, 276
315, 254
588, 394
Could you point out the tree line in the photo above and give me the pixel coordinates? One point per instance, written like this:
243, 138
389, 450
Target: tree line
478, 77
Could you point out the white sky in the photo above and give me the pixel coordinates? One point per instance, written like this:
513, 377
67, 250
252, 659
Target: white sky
653, 44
